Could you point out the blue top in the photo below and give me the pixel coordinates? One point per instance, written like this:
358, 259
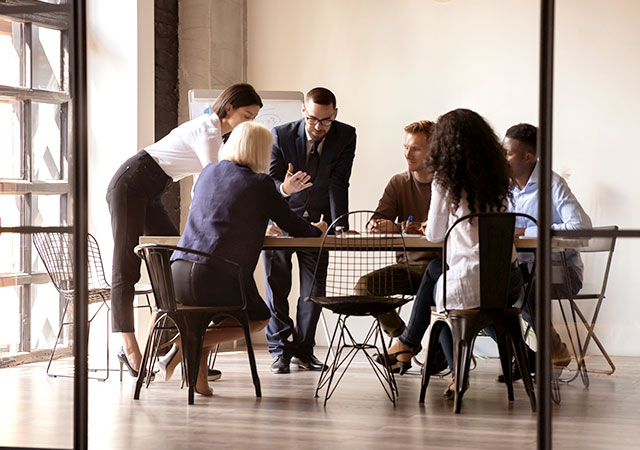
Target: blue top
566, 212
229, 214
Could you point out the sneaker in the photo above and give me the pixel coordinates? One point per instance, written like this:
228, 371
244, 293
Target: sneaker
214, 375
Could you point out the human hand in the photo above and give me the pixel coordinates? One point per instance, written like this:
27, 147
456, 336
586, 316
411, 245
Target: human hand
518, 232
411, 227
381, 226
273, 230
295, 182
322, 225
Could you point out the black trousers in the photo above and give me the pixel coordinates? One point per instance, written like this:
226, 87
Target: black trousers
134, 198
277, 266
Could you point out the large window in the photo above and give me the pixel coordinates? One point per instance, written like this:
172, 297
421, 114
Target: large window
34, 174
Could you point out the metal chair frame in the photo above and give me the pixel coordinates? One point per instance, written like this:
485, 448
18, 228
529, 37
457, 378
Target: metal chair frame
494, 309
349, 260
56, 252
191, 321
579, 349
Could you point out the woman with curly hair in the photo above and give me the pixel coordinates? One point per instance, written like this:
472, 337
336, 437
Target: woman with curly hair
471, 174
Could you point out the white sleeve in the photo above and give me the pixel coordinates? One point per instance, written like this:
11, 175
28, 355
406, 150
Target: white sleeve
438, 217
206, 145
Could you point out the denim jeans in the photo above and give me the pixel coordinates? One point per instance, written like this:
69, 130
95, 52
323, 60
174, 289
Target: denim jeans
425, 298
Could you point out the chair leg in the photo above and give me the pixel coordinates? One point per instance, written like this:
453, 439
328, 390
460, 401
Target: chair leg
434, 334
55, 344
463, 339
324, 375
522, 359
252, 356
145, 357
504, 351
387, 376
192, 329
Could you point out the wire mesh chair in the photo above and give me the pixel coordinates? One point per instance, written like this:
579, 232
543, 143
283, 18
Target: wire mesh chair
191, 321
56, 252
351, 285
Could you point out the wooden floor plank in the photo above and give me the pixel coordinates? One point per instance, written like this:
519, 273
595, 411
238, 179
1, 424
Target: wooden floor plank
37, 411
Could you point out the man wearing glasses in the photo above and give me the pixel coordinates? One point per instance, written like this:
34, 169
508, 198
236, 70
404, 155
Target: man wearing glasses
323, 148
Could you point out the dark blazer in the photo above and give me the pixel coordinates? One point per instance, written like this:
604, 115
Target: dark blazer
329, 194
229, 214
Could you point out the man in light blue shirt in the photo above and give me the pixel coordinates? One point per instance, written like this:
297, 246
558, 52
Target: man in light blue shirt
567, 214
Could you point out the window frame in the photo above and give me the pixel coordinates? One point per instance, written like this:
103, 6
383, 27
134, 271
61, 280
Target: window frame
25, 186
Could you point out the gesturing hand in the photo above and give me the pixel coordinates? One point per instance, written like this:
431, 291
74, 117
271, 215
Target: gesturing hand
295, 182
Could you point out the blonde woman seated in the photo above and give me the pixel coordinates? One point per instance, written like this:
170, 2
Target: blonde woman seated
232, 203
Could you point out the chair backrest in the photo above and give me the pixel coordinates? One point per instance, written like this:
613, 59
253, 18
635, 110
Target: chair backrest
601, 245
495, 237
56, 252
355, 255
157, 259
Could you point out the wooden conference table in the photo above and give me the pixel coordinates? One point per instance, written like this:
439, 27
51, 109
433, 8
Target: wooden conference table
411, 242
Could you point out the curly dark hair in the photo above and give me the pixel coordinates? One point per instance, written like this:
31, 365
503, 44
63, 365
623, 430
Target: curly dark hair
466, 157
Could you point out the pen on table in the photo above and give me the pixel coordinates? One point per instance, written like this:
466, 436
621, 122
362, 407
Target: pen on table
409, 220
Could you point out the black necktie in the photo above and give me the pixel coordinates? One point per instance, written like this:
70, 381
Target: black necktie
313, 161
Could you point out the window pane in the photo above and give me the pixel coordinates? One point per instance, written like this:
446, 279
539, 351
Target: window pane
10, 154
45, 316
10, 206
10, 51
46, 58
10, 210
10, 251
10, 319
45, 210
46, 141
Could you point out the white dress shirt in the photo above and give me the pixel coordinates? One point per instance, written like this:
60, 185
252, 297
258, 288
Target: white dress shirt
566, 213
463, 251
188, 148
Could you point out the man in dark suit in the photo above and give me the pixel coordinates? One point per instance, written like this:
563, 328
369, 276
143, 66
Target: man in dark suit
323, 148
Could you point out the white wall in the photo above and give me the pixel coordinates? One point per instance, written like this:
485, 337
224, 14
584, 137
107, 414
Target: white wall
390, 63
120, 70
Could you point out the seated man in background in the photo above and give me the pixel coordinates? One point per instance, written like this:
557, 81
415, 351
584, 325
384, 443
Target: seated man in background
567, 214
405, 199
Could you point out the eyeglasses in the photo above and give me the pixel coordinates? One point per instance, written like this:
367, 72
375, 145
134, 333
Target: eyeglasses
313, 121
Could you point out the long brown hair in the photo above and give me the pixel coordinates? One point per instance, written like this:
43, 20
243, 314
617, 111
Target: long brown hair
237, 96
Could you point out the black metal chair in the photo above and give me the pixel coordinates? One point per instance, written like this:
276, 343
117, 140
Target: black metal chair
495, 233
335, 287
191, 321
56, 252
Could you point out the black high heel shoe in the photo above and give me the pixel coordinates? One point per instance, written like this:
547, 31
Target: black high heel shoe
394, 364
122, 357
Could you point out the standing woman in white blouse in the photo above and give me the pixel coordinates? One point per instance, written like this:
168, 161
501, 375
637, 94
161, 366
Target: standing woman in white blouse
471, 174
135, 191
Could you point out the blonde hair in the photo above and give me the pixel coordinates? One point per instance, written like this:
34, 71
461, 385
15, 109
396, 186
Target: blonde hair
249, 145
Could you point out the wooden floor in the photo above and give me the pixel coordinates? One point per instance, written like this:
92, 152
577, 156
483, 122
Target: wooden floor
36, 411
